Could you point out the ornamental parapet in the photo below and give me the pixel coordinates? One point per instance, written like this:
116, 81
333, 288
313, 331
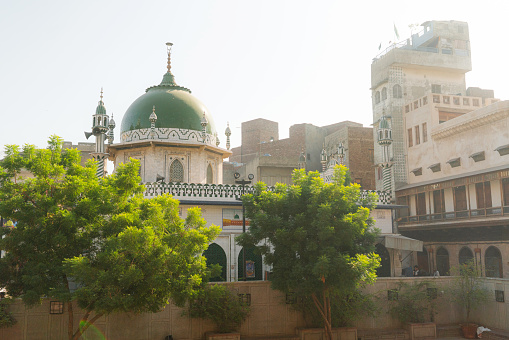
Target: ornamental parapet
223, 192
169, 135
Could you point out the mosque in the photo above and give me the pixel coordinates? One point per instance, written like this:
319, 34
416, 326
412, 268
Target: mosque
174, 137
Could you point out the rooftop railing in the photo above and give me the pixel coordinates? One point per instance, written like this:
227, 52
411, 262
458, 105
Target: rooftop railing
223, 192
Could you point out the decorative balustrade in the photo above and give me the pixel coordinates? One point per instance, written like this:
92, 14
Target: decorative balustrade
222, 192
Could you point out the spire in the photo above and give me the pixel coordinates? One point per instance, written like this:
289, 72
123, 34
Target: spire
228, 133
168, 50
168, 78
204, 122
111, 126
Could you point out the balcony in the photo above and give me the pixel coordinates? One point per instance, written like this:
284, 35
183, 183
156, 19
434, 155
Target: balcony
473, 215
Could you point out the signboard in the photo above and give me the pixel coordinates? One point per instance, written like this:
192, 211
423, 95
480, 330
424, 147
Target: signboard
250, 269
233, 217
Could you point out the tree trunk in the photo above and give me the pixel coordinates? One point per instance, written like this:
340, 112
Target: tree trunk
70, 322
322, 309
79, 332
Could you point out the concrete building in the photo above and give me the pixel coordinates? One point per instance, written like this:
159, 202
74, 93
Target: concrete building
447, 159
272, 160
432, 60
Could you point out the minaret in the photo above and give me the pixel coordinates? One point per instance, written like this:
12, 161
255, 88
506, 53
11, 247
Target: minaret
341, 153
384, 134
153, 119
111, 126
228, 133
302, 160
99, 129
323, 158
204, 122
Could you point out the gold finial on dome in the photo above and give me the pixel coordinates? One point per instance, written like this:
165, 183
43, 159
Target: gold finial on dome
168, 50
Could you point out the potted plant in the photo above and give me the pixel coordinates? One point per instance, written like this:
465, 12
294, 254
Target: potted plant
221, 305
469, 292
414, 305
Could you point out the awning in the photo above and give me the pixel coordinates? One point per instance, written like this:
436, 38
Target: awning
396, 241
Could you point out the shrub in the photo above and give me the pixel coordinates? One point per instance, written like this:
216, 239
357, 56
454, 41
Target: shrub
414, 303
221, 305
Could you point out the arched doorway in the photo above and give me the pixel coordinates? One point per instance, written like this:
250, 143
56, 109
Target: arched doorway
493, 261
216, 255
423, 261
465, 255
385, 261
443, 265
254, 264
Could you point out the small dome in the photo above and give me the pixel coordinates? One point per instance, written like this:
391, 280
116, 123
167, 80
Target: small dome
384, 123
100, 110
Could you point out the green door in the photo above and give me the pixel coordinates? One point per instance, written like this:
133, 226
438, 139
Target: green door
216, 255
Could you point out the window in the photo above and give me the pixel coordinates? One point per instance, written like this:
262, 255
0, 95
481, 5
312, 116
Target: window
424, 132
456, 100
466, 101
377, 97
410, 143
384, 93
447, 99
493, 263
417, 136
460, 198
438, 201
483, 193
443, 261
435, 88
210, 178
176, 172
420, 203
505, 190
475, 102
396, 91
465, 255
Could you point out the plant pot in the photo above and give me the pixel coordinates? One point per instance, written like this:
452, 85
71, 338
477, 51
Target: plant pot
222, 336
425, 330
469, 330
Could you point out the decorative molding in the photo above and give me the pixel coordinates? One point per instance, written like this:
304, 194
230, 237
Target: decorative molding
454, 162
472, 120
184, 136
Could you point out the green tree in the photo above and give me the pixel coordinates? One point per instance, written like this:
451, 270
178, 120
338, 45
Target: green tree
317, 237
96, 242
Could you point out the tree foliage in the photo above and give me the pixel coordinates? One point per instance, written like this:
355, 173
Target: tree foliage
94, 241
468, 290
220, 304
416, 302
317, 237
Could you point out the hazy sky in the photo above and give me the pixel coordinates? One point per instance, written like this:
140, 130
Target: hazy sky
287, 61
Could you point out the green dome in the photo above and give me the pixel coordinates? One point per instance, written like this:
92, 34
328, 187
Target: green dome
175, 107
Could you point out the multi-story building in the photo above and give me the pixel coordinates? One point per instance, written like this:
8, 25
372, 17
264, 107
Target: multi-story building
449, 151
272, 160
458, 182
432, 60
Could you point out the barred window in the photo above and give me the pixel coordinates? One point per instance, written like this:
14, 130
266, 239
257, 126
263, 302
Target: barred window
176, 171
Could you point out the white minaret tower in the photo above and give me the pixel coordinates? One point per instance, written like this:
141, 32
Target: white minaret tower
384, 135
228, 133
100, 127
